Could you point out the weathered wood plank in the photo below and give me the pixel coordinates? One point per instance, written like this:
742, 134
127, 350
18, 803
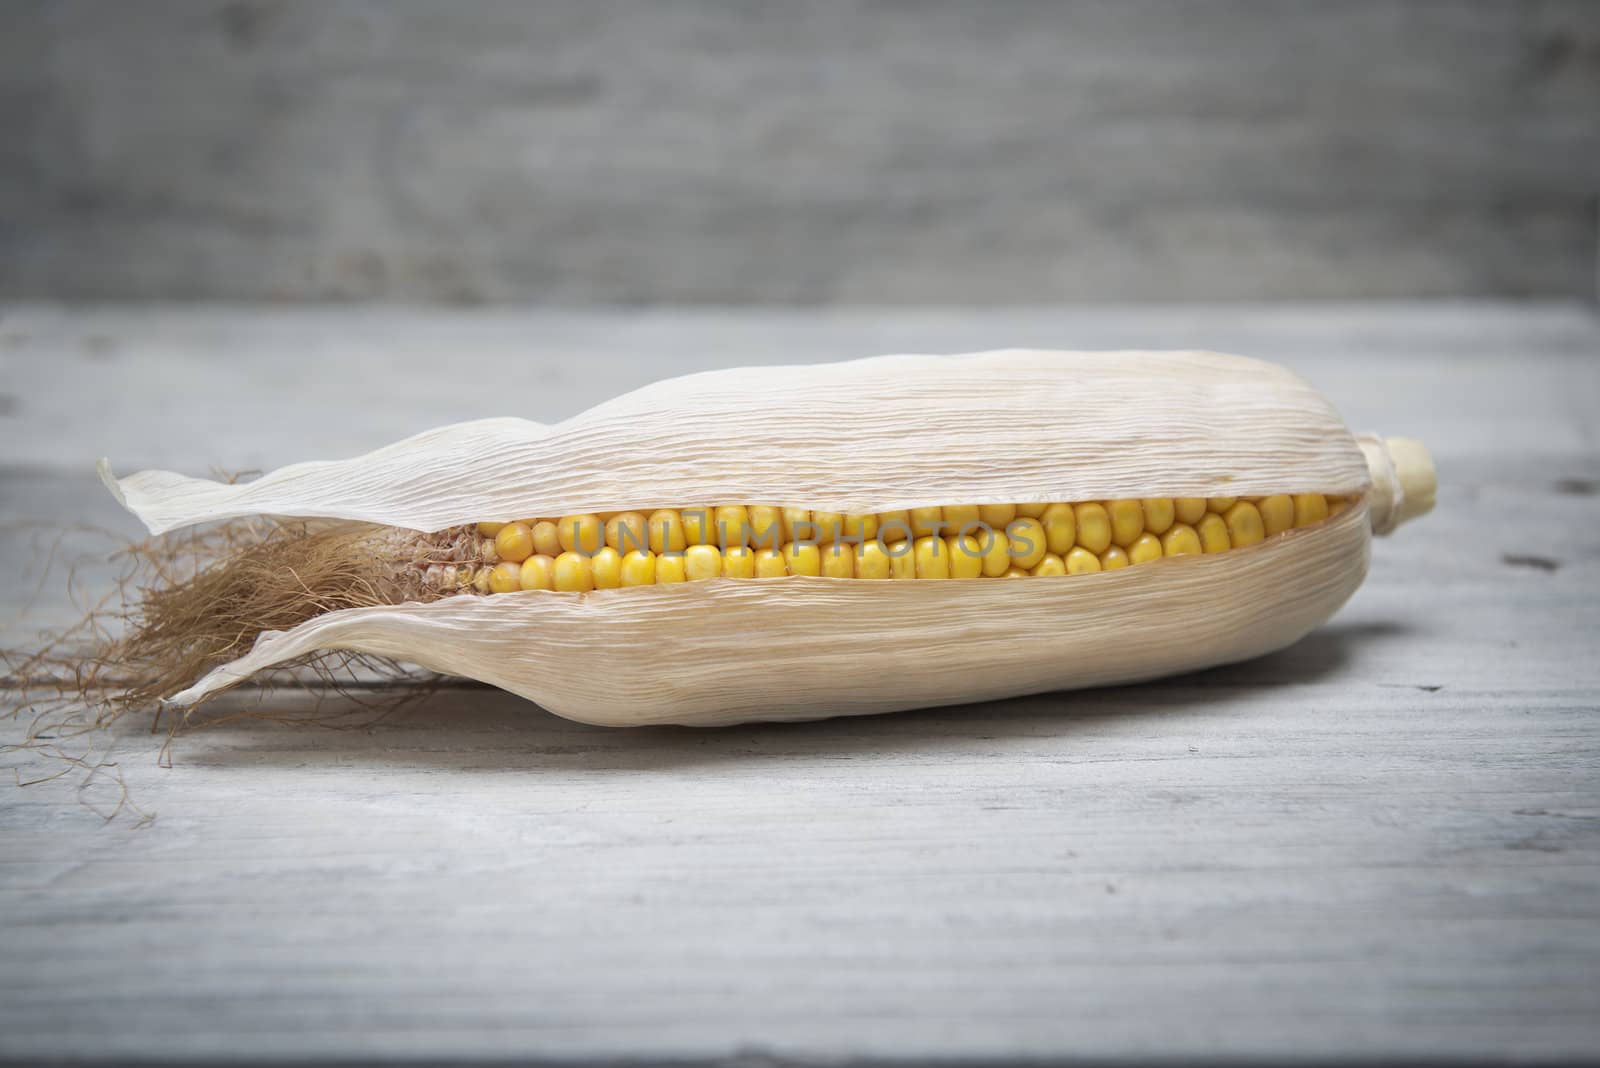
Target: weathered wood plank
574, 151
1382, 842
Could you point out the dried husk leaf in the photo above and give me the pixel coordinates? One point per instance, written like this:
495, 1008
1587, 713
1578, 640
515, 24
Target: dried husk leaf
868, 435
871, 435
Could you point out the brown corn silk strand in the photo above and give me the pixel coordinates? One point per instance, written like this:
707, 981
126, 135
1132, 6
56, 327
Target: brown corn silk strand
188, 601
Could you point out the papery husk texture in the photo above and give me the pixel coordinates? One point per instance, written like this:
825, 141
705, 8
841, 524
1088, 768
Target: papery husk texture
870, 435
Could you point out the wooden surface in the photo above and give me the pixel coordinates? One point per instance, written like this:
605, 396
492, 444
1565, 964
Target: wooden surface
766, 151
1383, 842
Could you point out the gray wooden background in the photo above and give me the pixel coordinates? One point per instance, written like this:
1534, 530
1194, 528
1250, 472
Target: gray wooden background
764, 152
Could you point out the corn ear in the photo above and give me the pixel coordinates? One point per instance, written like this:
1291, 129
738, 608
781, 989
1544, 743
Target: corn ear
870, 436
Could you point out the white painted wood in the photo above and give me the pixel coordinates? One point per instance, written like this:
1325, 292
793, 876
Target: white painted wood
1381, 842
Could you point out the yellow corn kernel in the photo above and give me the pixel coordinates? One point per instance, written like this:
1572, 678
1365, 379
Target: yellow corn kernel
1081, 561
670, 568
894, 527
860, 528
903, 560
926, 522
1050, 565
871, 561
1028, 542
797, 525
546, 539
1145, 548
766, 526
829, 525
738, 561
769, 563
997, 559
1060, 528
966, 556
1127, 521
1309, 508
581, 533
1114, 558
1017, 572
1031, 511
699, 525
1337, 505
489, 530
606, 566
961, 519
802, 558
1244, 525
1180, 540
838, 561
1213, 531
1094, 527
625, 532
933, 558
701, 562
1277, 513
1159, 512
1220, 505
666, 532
538, 573
997, 515
1189, 509
639, 569
514, 542
480, 579
574, 572
505, 577
731, 526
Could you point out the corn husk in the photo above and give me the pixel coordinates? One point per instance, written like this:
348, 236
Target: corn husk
871, 435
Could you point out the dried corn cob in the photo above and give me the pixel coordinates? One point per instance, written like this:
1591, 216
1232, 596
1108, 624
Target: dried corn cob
1076, 539
1177, 510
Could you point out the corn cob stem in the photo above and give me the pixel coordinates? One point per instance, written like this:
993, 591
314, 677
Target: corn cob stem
1403, 480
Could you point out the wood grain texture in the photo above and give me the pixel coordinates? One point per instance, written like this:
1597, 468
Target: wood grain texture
864, 151
1381, 842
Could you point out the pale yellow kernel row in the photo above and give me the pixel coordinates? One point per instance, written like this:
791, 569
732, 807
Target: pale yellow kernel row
585, 552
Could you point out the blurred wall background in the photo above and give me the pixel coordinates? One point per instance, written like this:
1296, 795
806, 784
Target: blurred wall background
798, 152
